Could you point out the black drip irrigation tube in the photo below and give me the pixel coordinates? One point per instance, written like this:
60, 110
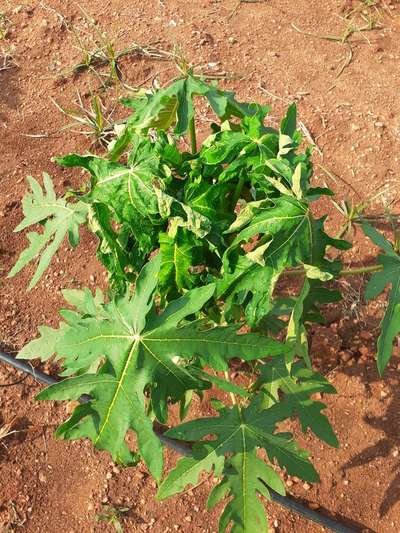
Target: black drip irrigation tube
184, 449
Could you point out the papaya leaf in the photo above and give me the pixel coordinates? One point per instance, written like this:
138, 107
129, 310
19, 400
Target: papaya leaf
59, 219
239, 432
133, 349
127, 189
390, 275
181, 214
297, 386
167, 107
286, 235
180, 253
221, 383
289, 137
212, 201
296, 335
115, 250
286, 223
318, 294
254, 142
246, 477
173, 106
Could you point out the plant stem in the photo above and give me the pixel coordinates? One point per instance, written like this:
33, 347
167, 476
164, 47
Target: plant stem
362, 270
345, 272
238, 190
343, 230
192, 133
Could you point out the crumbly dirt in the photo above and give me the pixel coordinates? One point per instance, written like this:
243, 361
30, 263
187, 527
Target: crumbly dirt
354, 118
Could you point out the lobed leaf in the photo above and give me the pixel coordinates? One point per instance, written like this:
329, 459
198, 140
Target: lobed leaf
121, 349
59, 219
238, 433
297, 386
390, 275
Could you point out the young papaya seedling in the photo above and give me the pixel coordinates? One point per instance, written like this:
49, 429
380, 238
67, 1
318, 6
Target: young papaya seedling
195, 243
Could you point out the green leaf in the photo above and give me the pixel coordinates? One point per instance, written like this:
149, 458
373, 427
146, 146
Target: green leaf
282, 215
128, 193
169, 106
180, 253
285, 223
212, 201
378, 239
84, 300
251, 285
221, 383
238, 431
296, 336
115, 250
128, 189
59, 219
181, 214
256, 428
246, 477
245, 151
288, 136
390, 275
121, 349
44, 346
318, 294
188, 470
174, 105
297, 386
224, 147
282, 234
289, 123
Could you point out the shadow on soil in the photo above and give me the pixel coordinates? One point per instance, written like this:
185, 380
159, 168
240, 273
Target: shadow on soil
389, 424
354, 525
9, 91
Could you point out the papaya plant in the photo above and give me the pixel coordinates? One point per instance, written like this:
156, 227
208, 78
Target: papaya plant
194, 243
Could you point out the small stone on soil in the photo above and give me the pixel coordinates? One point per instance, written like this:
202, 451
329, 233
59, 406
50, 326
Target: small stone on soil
314, 506
345, 355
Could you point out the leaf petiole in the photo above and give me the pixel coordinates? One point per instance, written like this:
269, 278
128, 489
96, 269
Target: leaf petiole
192, 135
